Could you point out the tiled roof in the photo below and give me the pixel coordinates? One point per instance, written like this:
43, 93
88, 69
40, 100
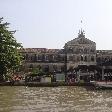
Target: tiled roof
41, 50
33, 50
104, 51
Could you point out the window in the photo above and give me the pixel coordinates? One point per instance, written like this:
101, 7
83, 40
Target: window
92, 50
34, 58
85, 59
70, 50
26, 57
70, 58
92, 58
81, 57
39, 57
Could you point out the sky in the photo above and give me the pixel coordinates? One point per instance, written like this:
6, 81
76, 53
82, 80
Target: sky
52, 23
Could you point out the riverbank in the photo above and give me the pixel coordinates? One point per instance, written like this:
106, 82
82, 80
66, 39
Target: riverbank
38, 84
12, 84
55, 84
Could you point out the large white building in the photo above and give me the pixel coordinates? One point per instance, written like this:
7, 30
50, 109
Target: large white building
76, 52
80, 51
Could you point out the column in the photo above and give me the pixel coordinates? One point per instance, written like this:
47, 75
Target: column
102, 73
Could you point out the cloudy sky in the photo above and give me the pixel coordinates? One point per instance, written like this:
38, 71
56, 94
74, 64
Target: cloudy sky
51, 23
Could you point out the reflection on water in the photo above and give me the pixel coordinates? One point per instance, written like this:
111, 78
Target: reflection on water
57, 99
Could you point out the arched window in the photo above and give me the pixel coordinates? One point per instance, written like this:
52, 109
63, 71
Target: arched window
92, 50
34, 58
51, 58
55, 68
81, 57
26, 57
92, 58
85, 59
46, 68
39, 57
70, 50
46, 58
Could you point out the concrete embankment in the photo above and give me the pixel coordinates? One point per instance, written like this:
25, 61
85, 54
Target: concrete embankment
38, 84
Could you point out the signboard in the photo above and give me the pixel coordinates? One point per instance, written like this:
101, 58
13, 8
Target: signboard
60, 77
46, 79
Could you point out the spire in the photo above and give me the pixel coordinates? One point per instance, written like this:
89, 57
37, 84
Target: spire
81, 32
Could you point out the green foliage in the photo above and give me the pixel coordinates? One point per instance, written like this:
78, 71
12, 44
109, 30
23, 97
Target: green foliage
37, 72
81, 81
10, 58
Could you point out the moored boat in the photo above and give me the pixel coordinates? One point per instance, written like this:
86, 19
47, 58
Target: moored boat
102, 84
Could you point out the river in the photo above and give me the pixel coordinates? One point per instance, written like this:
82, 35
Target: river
57, 99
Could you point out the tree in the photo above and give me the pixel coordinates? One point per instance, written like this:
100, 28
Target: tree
10, 58
38, 72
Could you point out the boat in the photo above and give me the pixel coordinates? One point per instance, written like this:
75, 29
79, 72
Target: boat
102, 84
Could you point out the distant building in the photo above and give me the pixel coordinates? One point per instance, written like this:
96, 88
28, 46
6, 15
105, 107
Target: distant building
77, 52
48, 59
80, 51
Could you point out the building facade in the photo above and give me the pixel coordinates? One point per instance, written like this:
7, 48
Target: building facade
77, 52
80, 51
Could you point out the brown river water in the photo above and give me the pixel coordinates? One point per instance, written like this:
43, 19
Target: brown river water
57, 99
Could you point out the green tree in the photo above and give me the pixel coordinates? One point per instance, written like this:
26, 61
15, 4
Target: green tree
37, 72
10, 58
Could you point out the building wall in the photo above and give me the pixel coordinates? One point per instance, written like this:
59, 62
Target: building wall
103, 56
50, 59
57, 62
79, 51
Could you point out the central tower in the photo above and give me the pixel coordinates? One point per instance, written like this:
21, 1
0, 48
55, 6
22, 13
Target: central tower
80, 51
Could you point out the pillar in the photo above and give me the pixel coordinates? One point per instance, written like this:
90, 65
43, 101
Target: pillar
102, 73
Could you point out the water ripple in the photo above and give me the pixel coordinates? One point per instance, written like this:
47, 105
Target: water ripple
57, 99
